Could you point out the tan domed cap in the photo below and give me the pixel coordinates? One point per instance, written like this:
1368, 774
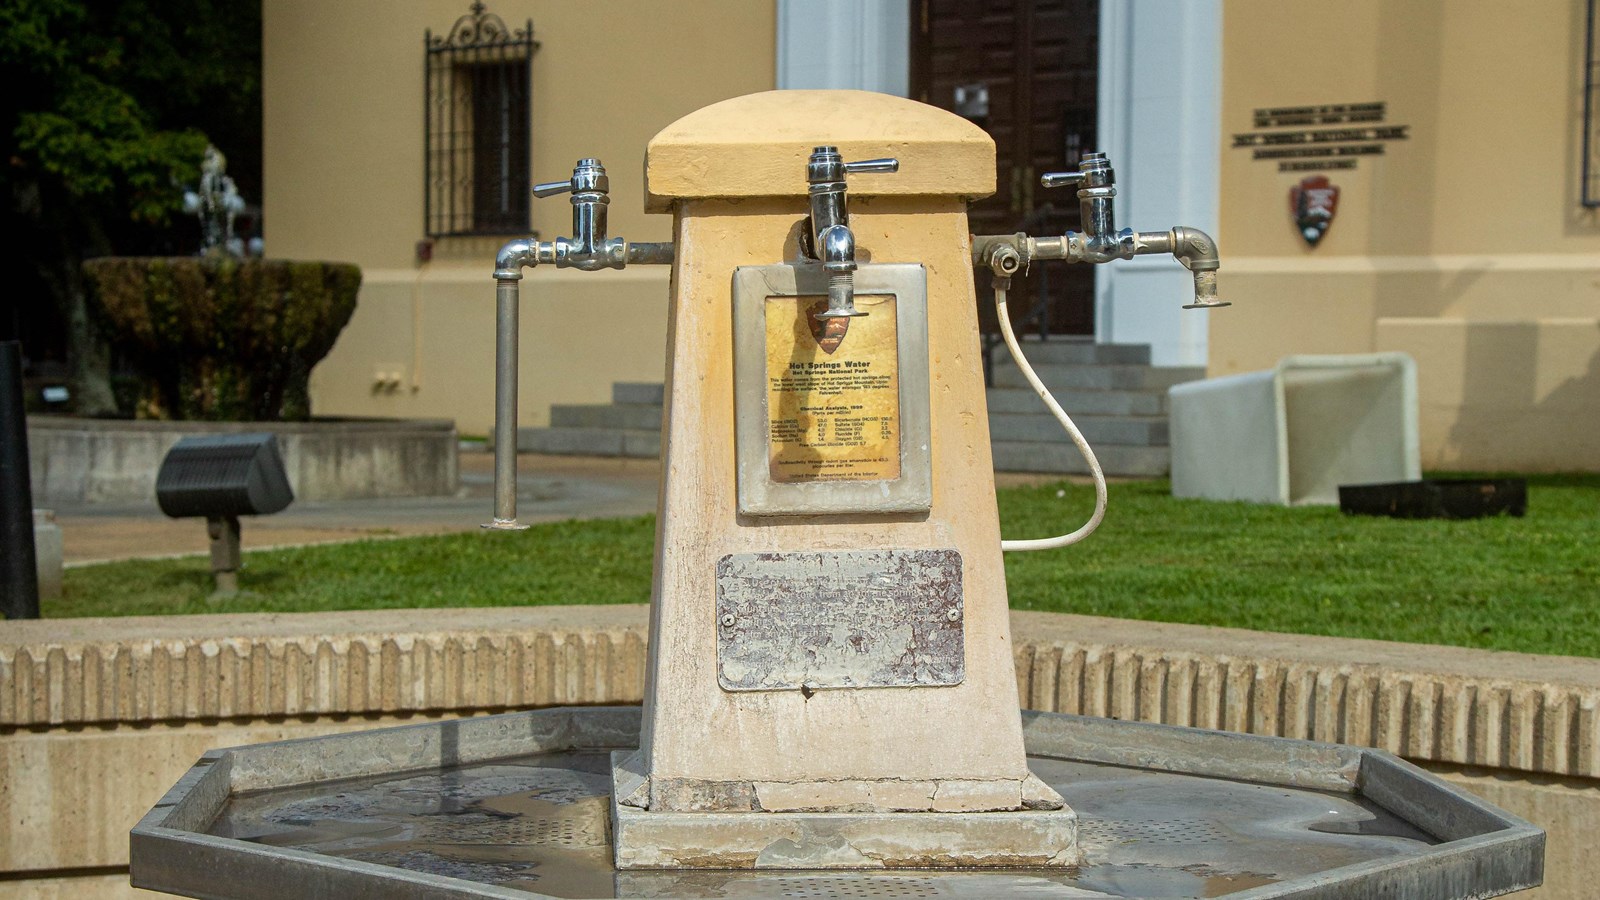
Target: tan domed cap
757, 145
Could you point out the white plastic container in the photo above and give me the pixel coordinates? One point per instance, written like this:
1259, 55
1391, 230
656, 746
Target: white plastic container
1294, 433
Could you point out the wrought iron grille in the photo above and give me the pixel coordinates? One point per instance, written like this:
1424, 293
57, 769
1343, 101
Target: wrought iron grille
475, 158
1591, 109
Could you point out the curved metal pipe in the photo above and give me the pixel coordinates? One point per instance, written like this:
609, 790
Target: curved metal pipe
1197, 251
508, 263
1193, 248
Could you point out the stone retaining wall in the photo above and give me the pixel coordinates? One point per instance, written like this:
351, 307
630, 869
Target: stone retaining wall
99, 716
77, 461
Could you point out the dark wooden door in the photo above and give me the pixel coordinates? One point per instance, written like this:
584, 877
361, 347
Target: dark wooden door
1026, 71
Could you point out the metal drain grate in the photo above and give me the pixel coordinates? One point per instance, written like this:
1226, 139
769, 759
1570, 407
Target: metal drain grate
556, 832
1155, 831
562, 832
826, 888
436, 864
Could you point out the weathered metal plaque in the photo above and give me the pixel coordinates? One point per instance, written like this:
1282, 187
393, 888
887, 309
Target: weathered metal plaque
848, 619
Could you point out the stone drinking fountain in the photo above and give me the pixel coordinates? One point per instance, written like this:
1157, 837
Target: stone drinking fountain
831, 705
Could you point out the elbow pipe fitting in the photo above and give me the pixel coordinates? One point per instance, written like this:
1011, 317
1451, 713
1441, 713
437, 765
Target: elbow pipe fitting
1197, 252
511, 259
1195, 249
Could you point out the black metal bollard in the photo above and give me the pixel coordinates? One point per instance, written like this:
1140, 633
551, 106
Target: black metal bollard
19, 577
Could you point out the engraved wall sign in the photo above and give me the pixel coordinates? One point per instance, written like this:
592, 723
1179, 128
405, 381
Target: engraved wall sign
831, 417
1313, 203
850, 619
833, 392
1324, 137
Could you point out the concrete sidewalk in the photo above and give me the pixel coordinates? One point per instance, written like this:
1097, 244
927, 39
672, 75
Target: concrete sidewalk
549, 488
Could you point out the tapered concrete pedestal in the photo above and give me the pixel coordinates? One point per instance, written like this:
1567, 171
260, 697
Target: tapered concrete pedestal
831, 675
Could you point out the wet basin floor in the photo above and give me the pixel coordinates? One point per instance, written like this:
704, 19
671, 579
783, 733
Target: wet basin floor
540, 823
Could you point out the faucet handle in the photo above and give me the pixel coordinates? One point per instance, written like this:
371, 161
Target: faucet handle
1060, 179
873, 165
588, 175
1094, 169
552, 188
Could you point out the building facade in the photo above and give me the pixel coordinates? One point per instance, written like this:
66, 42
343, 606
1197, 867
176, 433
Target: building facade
1434, 150
346, 125
1460, 235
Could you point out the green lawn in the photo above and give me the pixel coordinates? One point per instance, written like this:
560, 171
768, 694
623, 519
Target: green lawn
1530, 584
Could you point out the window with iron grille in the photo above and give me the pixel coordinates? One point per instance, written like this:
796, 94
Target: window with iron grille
1591, 115
479, 76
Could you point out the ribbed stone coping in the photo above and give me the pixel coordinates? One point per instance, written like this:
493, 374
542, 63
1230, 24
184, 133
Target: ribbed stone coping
1512, 711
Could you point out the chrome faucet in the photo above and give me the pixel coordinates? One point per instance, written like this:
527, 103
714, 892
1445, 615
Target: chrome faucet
832, 241
1100, 241
588, 250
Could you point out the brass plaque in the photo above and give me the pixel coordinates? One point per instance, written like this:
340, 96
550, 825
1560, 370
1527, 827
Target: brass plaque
833, 392
846, 619
831, 417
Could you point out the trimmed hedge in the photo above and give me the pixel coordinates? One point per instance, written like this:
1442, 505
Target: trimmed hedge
223, 339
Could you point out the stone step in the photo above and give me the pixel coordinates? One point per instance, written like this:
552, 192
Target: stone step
1134, 431
642, 393
627, 416
1058, 376
1033, 456
640, 443
1089, 403
1078, 352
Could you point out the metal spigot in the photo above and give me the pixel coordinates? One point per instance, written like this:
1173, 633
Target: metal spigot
588, 250
832, 241
1100, 241
1095, 196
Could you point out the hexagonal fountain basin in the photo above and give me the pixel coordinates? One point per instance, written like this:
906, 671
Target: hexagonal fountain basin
518, 806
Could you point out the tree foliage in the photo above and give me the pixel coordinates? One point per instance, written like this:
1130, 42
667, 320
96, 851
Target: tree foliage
119, 97
108, 108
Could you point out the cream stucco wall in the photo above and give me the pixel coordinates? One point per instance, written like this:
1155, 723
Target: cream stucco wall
343, 171
1464, 245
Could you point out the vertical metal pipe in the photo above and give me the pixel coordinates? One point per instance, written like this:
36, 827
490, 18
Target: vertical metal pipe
505, 406
1591, 197
427, 133
19, 577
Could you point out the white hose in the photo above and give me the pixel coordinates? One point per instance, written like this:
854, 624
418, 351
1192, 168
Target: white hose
1072, 430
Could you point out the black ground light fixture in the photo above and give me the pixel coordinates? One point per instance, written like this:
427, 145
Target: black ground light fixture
222, 477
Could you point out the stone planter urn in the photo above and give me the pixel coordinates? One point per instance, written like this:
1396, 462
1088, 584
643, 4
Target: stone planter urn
223, 339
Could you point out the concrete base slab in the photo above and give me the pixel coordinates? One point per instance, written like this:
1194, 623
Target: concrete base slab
833, 840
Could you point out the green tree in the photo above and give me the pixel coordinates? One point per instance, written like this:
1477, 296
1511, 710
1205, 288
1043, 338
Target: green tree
108, 108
